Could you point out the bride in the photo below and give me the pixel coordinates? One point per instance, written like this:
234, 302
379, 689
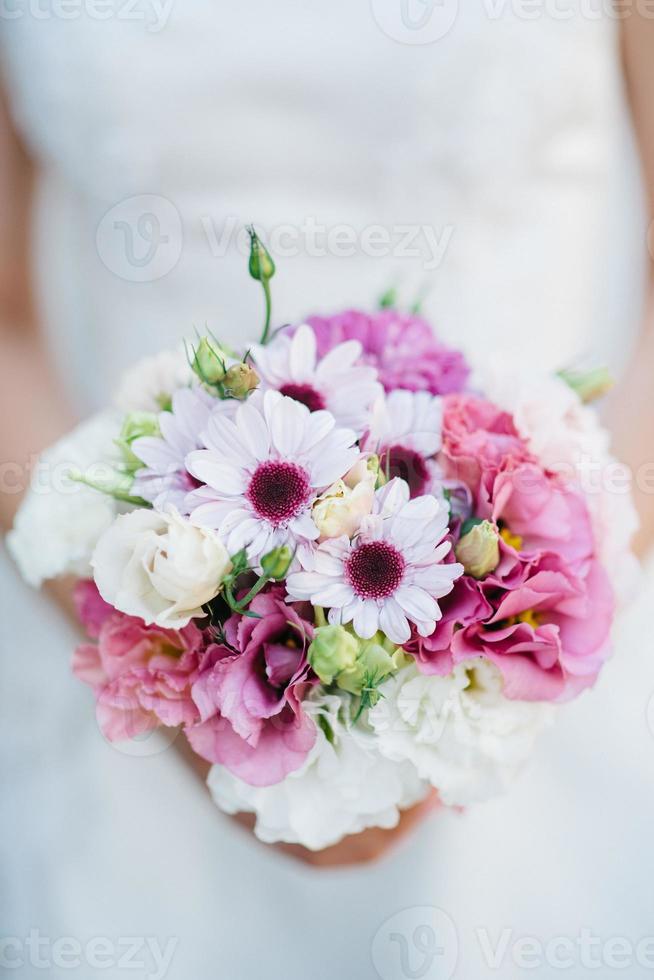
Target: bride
478, 160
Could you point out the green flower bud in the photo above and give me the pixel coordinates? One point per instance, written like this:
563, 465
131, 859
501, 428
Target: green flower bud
333, 650
262, 267
478, 550
589, 385
135, 426
240, 380
113, 483
209, 362
376, 659
276, 563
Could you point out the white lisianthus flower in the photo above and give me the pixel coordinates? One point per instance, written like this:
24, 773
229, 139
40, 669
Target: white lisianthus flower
343, 788
459, 731
149, 385
564, 434
157, 566
60, 521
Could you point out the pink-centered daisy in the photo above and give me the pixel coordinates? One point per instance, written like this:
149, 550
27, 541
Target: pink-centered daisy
335, 382
390, 574
262, 471
405, 431
164, 478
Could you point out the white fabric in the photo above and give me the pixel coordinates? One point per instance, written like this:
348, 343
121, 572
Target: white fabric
505, 135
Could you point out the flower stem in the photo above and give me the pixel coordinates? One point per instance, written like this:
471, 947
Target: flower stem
266, 329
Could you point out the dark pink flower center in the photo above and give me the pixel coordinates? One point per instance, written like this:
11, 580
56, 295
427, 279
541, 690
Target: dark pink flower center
408, 465
278, 491
305, 394
375, 570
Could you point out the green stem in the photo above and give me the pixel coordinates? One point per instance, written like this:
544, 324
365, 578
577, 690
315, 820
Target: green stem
266, 329
321, 619
261, 582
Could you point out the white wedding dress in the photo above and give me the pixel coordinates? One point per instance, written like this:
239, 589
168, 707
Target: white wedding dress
505, 138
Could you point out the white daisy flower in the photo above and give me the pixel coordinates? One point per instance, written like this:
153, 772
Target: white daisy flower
391, 574
263, 470
406, 432
335, 382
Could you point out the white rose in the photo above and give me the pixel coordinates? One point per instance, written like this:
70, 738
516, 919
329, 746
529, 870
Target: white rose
343, 787
459, 731
149, 385
341, 508
60, 521
159, 567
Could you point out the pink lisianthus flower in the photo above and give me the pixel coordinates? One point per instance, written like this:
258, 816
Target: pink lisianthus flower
402, 347
543, 616
478, 440
249, 699
549, 636
141, 675
464, 606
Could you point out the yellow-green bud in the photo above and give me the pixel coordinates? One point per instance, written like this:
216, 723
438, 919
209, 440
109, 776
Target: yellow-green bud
479, 550
240, 380
261, 264
376, 659
209, 362
333, 650
589, 385
136, 426
276, 563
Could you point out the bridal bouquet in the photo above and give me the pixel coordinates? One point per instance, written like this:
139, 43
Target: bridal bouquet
345, 567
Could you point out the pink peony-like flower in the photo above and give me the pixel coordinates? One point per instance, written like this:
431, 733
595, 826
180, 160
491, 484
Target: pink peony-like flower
141, 675
249, 698
478, 440
402, 347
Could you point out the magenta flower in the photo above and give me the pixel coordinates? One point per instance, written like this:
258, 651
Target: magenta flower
141, 675
249, 699
402, 347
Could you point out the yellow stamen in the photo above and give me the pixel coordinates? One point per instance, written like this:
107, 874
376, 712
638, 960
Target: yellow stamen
513, 540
